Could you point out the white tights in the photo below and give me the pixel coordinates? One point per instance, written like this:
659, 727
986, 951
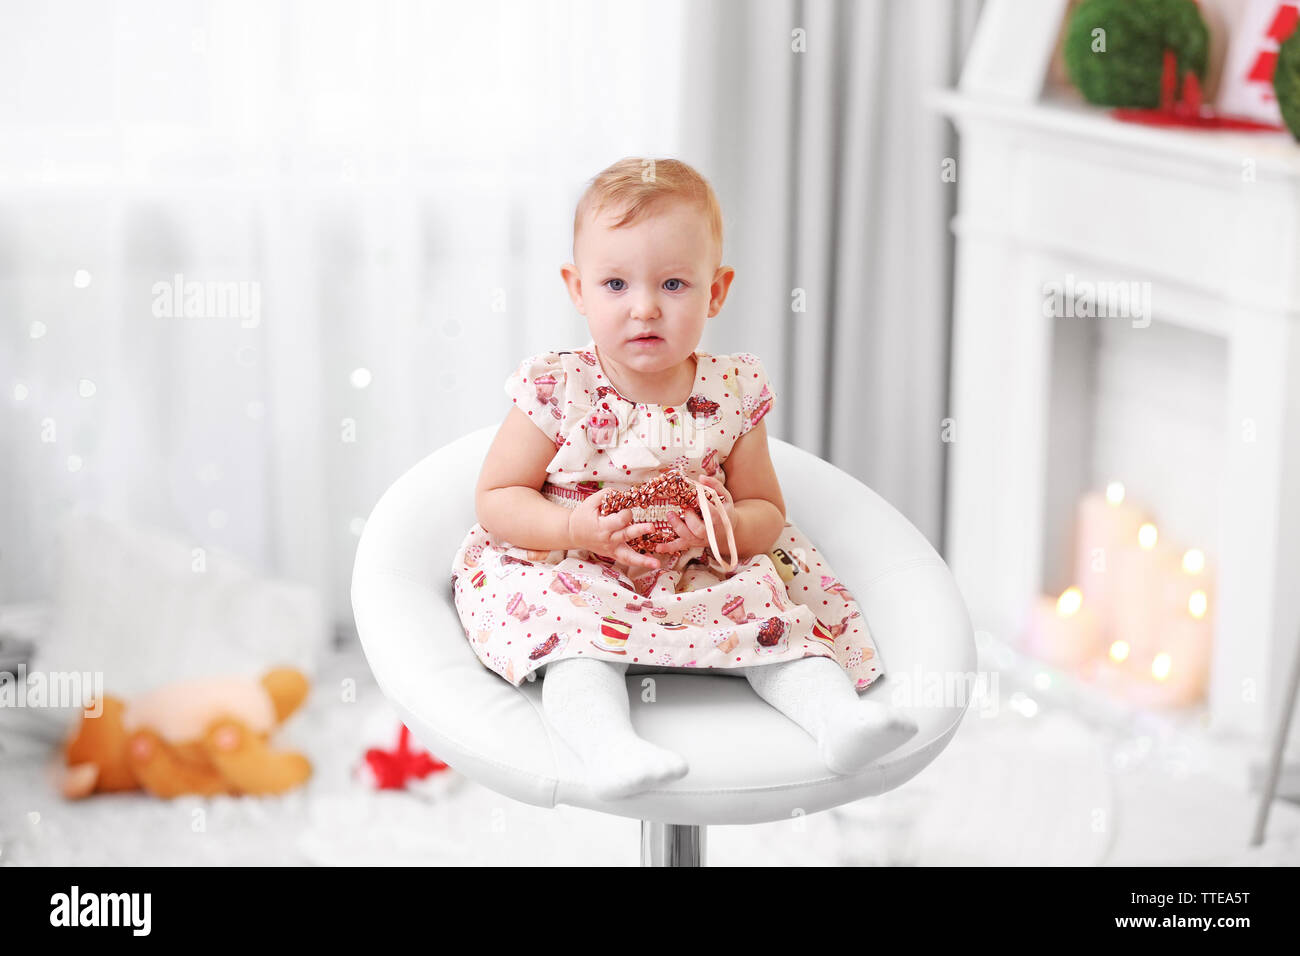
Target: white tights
586, 703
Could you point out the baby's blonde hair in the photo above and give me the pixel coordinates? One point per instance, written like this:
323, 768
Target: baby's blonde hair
638, 185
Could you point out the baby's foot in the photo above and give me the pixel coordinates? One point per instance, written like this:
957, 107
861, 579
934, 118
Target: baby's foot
859, 732
631, 766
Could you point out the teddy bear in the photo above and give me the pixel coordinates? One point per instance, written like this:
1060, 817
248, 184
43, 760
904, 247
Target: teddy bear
204, 737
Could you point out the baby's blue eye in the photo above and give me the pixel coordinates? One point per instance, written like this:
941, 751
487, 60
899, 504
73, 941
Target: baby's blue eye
611, 288
678, 281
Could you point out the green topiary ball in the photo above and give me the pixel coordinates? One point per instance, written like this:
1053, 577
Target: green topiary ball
1137, 33
1286, 82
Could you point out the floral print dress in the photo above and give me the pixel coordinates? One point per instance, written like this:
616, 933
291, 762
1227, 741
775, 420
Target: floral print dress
523, 609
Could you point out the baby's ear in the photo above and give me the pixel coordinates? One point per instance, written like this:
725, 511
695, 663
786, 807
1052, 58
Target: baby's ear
573, 283
718, 290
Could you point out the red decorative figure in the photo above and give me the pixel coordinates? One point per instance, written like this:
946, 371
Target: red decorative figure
392, 768
1186, 109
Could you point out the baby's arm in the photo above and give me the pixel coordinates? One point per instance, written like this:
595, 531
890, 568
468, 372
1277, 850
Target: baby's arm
509, 504
756, 494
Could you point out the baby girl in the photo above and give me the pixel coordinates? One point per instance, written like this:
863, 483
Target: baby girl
545, 583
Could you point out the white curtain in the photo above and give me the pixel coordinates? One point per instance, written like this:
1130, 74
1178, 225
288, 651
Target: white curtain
397, 182
811, 115
397, 179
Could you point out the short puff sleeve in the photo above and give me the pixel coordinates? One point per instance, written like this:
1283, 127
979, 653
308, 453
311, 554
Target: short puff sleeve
537, 388
756, 395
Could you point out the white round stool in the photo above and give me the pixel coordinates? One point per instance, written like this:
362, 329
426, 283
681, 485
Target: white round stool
748, 763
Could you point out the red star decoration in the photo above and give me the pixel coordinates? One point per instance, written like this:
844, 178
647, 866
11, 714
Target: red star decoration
392, 768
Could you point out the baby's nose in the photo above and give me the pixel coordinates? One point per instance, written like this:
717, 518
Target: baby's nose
645, 309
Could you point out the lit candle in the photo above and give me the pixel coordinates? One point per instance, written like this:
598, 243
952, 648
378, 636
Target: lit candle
1192, 585
1105, 524
1163, 628
1063, 631
1152, 604
1147, 584
1178, 674
1186, 640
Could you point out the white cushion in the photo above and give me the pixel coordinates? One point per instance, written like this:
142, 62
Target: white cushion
749, 763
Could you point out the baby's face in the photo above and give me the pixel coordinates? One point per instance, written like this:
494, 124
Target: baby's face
647, 288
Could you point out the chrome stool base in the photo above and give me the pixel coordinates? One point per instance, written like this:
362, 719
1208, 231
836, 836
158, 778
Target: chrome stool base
671, 844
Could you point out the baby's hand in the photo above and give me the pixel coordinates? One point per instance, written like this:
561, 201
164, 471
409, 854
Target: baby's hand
608, 535
690, 528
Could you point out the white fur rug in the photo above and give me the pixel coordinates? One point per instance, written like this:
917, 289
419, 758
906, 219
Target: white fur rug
1009, 790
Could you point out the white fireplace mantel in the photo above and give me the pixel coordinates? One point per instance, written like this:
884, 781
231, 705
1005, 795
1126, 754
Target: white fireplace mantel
1212, 221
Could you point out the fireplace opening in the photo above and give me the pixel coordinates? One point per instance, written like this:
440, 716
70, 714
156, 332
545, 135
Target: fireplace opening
1134, 473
